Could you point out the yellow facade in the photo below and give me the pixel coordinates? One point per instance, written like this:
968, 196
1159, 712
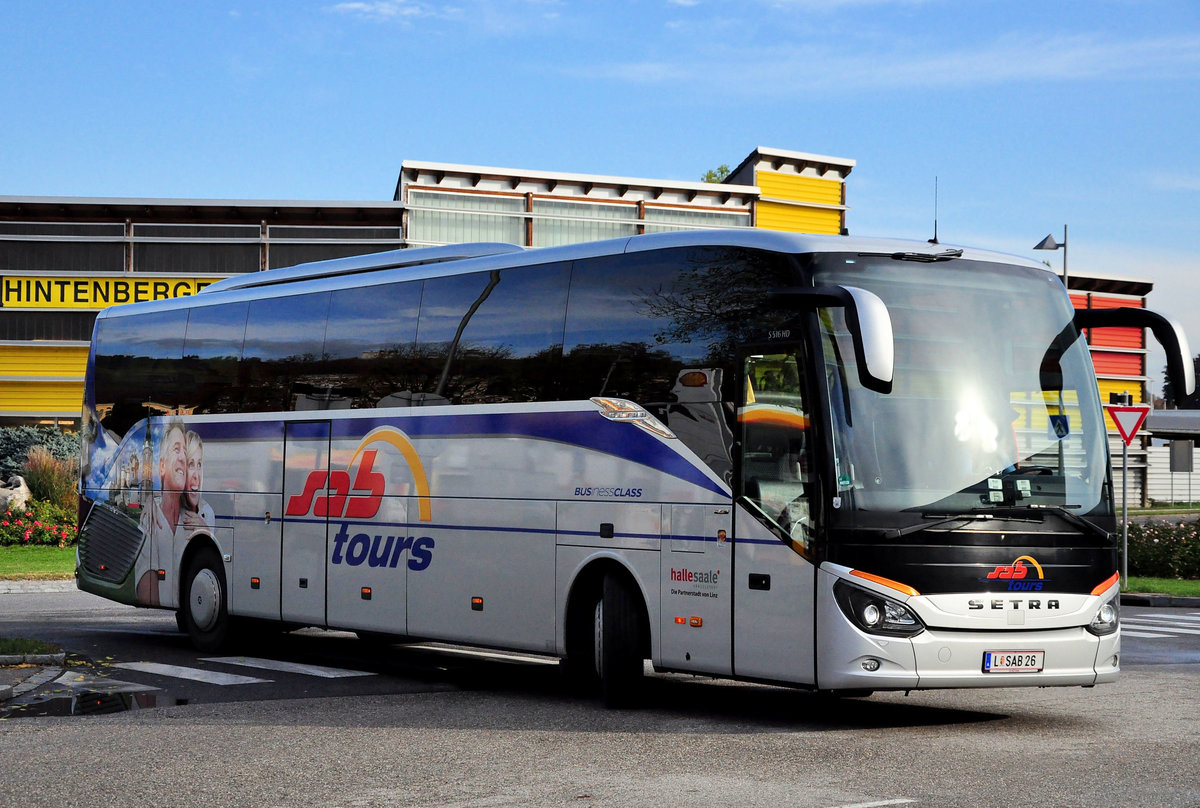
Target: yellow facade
63, 399
39, 361
796, 188
797, 219
773, 211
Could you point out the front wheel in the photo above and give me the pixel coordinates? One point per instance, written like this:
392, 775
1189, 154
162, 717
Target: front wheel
618, 643
204, 610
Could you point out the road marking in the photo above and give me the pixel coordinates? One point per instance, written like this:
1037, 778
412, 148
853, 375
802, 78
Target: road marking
1161, 627
1143, 634
194, 674
288, 667
1167, 618
93, 684
878, 804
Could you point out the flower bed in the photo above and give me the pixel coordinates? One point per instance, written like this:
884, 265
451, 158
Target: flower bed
41, 524
1165, 549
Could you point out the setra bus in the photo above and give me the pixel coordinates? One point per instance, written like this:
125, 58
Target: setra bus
836, 463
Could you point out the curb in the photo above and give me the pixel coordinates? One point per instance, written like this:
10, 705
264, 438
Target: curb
28, 587
33, 659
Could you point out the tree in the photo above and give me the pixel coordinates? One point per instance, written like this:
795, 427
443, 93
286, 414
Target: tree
718, 175
1172, 397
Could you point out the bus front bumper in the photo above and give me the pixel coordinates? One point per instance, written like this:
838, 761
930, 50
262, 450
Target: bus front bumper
954, 659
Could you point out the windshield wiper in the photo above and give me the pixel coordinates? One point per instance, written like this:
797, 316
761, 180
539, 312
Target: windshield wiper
928, 258
941, 520
1073, 518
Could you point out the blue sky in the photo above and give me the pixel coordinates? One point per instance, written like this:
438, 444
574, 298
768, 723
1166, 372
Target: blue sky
1031, 115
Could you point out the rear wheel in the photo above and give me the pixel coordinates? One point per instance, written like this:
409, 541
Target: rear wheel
618, 643
204, 610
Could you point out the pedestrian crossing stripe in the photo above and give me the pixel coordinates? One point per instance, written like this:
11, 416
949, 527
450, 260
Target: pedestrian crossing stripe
1139, 622
288, 667
192, 674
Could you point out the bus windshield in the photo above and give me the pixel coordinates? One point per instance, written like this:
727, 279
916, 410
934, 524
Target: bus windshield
994, 405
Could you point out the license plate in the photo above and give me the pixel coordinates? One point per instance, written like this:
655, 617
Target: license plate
1013, 661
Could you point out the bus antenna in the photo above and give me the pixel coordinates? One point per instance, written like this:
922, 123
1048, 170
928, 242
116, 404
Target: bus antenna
934, 240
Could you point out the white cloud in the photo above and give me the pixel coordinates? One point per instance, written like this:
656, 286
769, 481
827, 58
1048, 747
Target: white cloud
1175, 182
842, 67
390, 10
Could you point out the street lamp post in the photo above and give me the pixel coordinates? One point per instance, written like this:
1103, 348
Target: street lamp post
1048, 243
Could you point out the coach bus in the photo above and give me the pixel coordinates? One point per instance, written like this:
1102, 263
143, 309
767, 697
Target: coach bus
837, 463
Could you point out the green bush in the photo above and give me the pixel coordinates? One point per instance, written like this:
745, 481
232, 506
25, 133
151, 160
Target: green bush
16, 441
49, 478
42, 523
1162, 549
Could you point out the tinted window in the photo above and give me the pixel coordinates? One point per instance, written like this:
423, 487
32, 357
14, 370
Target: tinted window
493, 337
635, 321
369, 344
284, 339
136, 372
212, 350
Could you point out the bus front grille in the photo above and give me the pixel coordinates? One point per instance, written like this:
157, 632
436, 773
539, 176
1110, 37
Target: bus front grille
108, 543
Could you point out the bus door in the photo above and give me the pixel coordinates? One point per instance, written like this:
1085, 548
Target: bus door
696, 588
306, 497
773, 618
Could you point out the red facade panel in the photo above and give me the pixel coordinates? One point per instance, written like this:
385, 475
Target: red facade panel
1117, 364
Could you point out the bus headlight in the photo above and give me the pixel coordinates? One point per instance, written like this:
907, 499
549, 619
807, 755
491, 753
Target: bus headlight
1107, 619
876, 614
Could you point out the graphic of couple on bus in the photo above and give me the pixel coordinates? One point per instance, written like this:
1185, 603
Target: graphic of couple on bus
176, 510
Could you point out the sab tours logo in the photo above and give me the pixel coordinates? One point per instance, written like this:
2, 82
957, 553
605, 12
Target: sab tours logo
332, 494
1017, 575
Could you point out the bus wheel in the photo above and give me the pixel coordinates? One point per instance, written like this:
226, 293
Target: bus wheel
205, 612
618, 643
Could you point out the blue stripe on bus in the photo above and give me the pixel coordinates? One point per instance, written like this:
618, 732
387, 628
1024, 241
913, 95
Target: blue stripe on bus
588, 430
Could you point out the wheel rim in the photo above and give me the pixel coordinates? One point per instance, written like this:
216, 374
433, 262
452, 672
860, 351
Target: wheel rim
205, 600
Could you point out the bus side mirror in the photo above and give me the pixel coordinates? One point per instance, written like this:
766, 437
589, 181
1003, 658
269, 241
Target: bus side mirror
1168, 333
874, 345
870, 328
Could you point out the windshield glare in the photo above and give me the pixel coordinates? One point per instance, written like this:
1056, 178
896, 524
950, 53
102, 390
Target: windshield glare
994, 403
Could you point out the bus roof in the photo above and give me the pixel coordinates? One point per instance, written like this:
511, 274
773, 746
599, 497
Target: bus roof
454, 259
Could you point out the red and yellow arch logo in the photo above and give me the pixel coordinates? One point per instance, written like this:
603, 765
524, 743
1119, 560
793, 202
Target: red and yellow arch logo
1016, 571
332, 493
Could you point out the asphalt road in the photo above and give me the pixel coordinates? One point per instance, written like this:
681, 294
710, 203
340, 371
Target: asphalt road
433, 728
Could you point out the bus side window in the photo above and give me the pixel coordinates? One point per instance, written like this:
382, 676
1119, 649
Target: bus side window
212, 353
368, 349
284, 339
493, 337
618, 335
136, 365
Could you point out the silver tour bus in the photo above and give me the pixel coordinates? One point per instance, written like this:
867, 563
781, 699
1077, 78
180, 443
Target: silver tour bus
835, 463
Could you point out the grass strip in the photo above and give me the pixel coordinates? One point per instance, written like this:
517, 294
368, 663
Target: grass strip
37, 563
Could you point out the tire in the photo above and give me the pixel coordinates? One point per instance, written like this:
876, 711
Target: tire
181, 622
618, 643
204, 607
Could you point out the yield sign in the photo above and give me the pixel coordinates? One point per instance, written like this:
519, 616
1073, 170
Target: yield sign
1129, 419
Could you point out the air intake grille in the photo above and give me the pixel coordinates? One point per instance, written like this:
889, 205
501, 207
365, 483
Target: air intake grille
109, 543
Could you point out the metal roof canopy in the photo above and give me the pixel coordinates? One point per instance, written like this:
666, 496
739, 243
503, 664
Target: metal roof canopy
199, 211
1174, 424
